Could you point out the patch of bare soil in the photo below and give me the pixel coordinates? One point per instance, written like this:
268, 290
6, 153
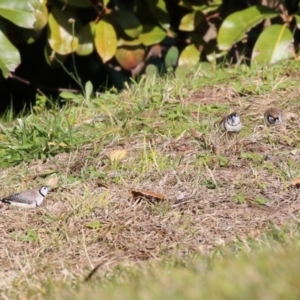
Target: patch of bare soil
209, 95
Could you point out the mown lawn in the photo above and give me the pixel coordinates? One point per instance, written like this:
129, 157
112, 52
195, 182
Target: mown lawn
151, 197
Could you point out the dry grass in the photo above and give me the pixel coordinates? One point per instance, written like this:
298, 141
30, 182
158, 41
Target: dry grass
216, 188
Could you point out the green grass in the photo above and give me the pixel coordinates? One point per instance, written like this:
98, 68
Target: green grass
265, 268
227, 227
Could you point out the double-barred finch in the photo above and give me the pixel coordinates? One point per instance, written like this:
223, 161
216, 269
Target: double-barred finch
231, 123
27, 199
273, 116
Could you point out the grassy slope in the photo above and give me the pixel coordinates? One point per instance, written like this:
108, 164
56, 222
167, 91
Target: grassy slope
158, 135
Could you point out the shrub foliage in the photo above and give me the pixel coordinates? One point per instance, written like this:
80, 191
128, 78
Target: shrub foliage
147, 36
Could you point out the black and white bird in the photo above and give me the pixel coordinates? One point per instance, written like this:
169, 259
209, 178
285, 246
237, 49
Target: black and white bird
231, 123
273, 116
27, 199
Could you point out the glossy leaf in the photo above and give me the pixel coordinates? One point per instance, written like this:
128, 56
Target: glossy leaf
152, 35
189, 56
130, 57
61, 37
77, 3
135, 42
190, 21
41, 14
105, 40
160, 12
275, 43
236, 25
127, 22
19, 12
86, 39
9, 54
205, 9
29, 35
171, 57
187, 4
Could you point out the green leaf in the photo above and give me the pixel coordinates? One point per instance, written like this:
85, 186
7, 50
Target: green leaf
275, 43
93, 225
86, 39
260, 200
127, 22
88, 90
171, 57
19, 12
9, 54
30, 235
152, 35
61, 37
105, 40
182, 71
68, 95
189, 56
239, 198
236, 25
159, 10
31, 35
129, 57
190, 21
135, 42
205, 9
186, 4
151, 70
41, 14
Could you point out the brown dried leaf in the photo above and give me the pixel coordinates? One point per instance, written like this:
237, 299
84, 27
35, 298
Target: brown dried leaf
147, 194
196, 133
295, 182
101, 184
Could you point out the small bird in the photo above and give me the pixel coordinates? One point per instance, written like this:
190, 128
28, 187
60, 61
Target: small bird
231, 123
27, 199
273, 116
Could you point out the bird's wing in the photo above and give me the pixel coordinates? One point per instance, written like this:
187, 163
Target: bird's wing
19, 198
